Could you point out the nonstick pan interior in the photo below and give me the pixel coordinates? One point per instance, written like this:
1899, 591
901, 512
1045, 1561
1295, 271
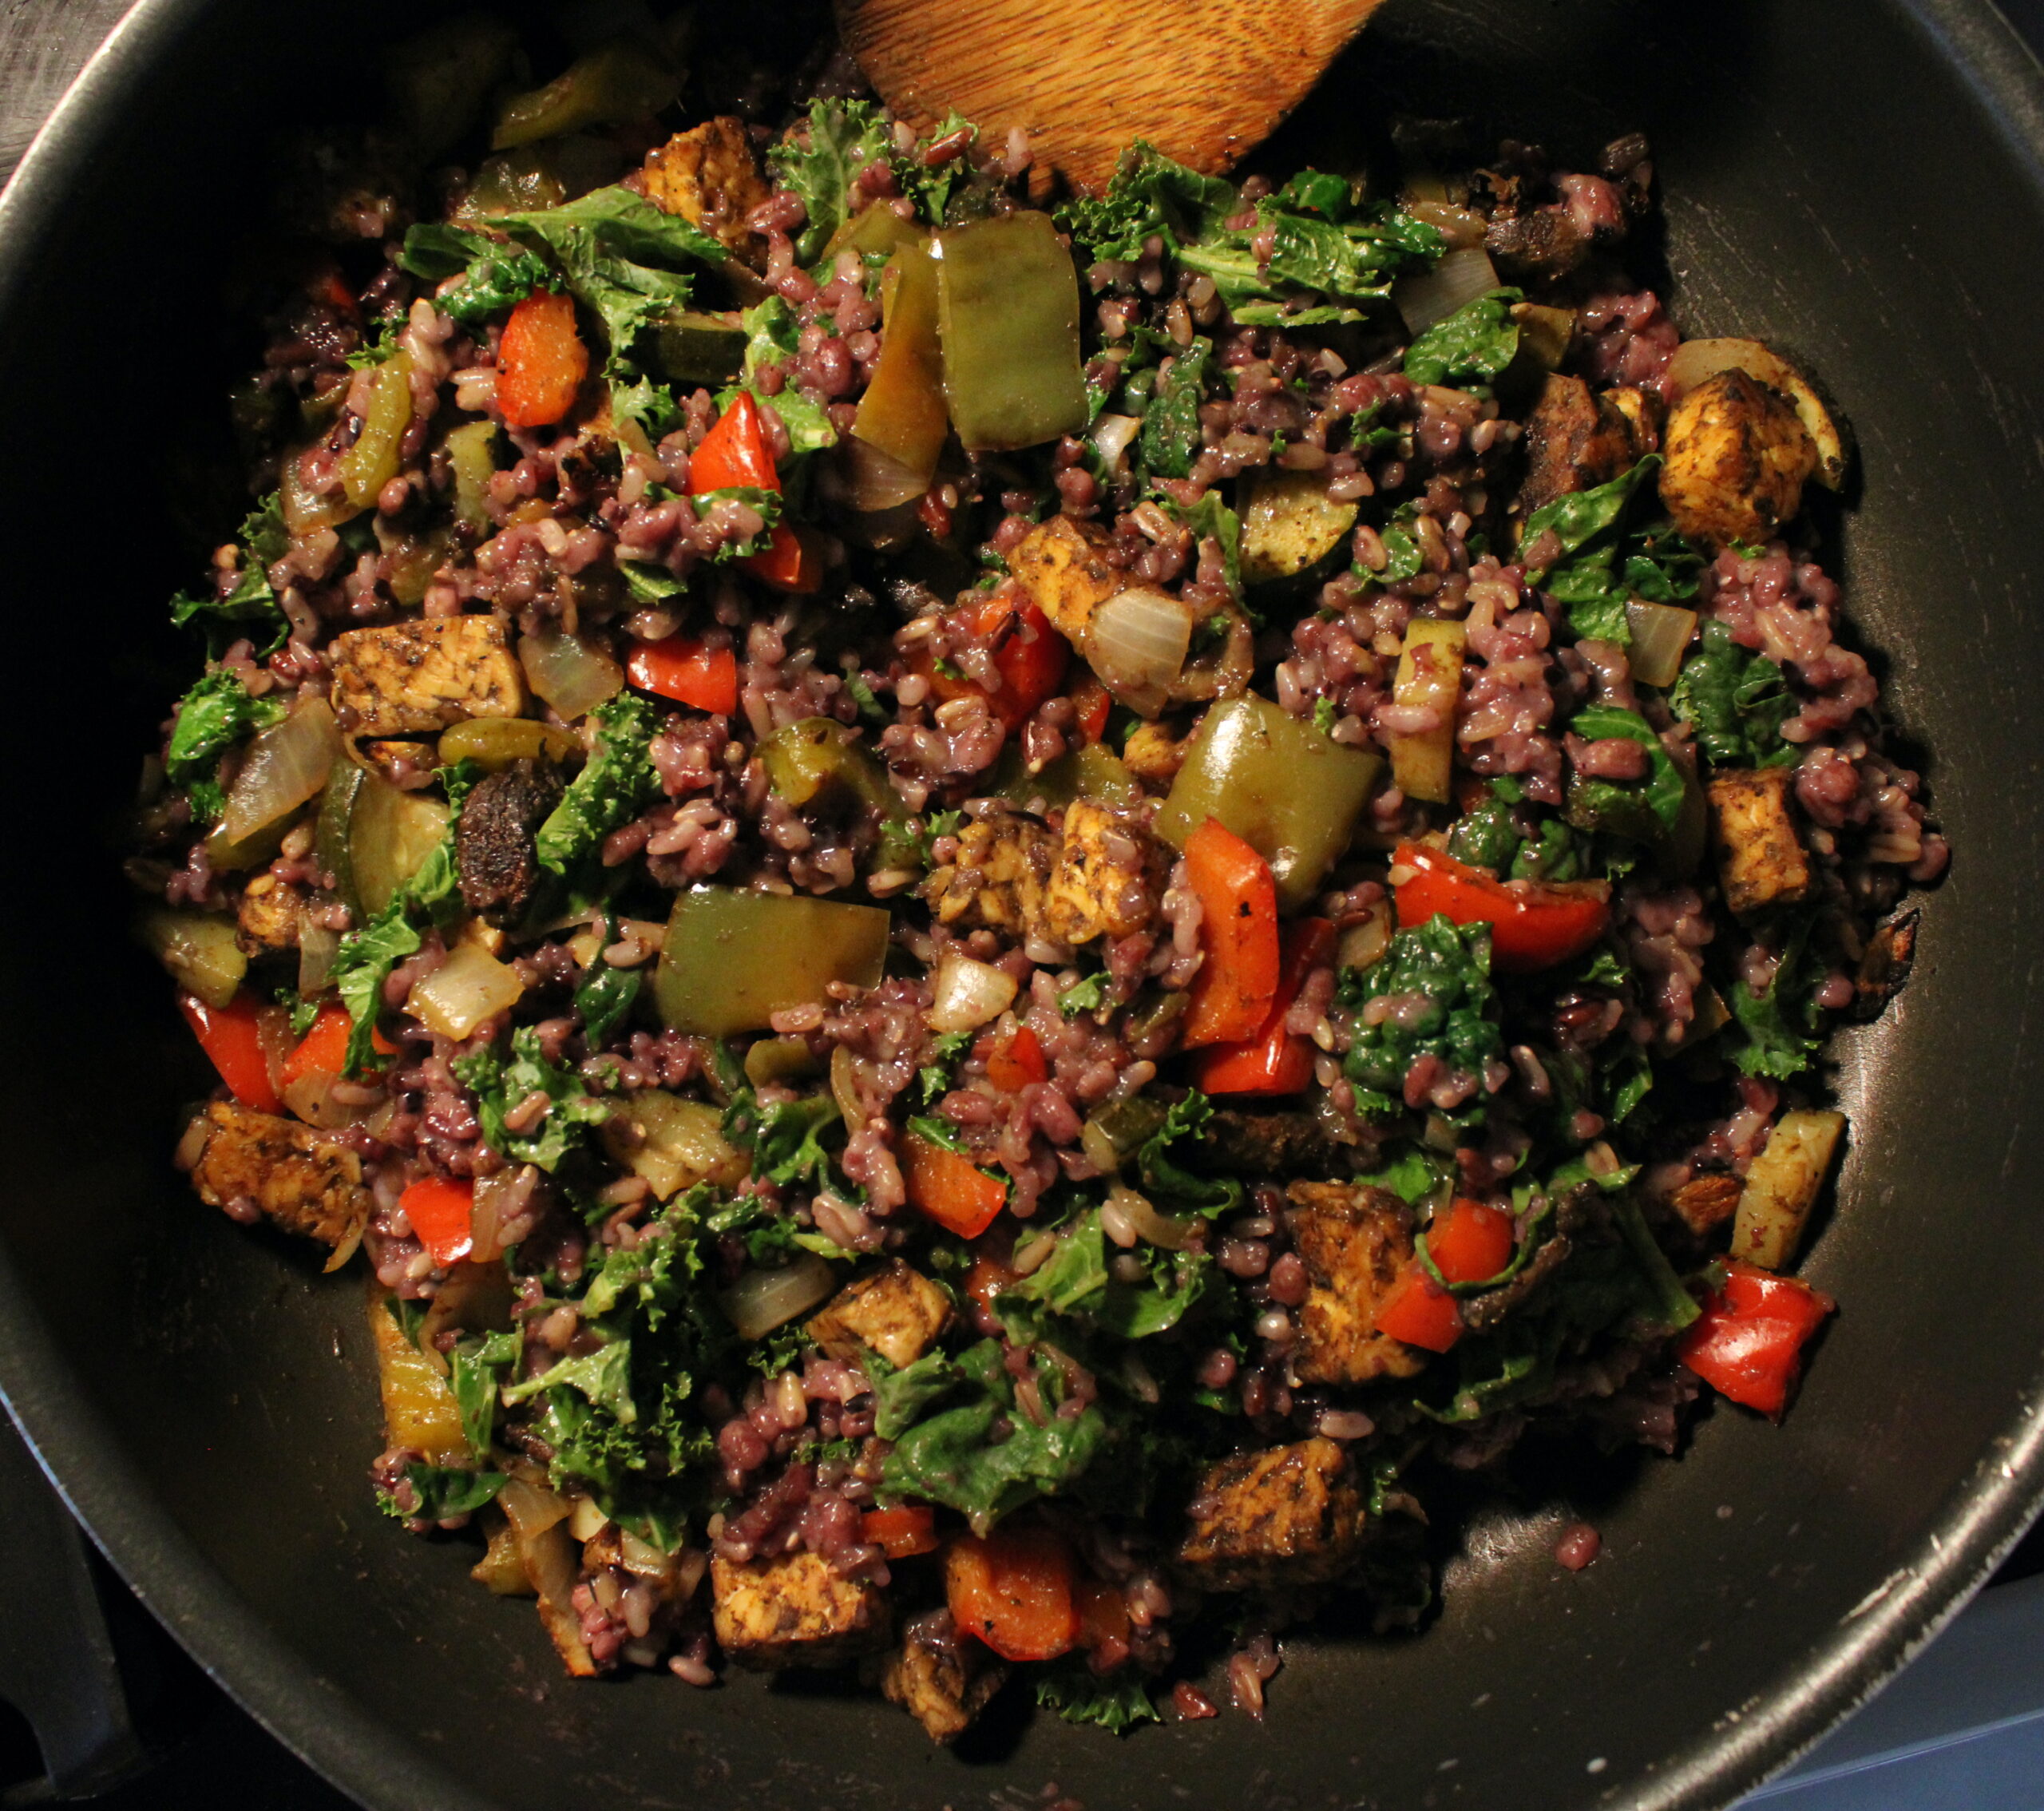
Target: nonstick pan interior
1856, 181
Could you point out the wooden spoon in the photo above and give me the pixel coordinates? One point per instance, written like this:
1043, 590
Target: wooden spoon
1204, 80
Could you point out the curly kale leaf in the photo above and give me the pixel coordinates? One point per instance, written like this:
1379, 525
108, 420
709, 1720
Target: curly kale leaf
611, 790
1778, 1031
844, 137
442, 1492
250, 607
1473, 345
1736, 701
214, 715
1172, 1185
1116, 1701
1440, 1001
501, 1087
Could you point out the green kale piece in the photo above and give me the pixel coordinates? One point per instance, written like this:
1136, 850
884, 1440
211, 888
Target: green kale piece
1647, 810
1176, 1186
934, 1078
1778, 1032
250, 608
501, 1087
1736, 701
1438, 977
607, 995
443, 1491
844, 137
479, 1368
772, 336
1115, 1701
612, 787
951, 1456
1473, 345
217, 713
495, 276
1170, 438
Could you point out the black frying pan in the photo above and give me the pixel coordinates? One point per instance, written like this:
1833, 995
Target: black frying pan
1858, 181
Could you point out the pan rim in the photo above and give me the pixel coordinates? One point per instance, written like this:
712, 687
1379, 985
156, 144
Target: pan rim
328, 1729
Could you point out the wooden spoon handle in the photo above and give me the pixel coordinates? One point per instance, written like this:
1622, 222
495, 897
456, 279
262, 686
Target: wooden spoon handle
1205, 81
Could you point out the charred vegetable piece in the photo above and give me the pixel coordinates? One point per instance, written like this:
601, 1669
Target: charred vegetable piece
1008, 309
732, 960
1289, 526
1289, 792
493, 848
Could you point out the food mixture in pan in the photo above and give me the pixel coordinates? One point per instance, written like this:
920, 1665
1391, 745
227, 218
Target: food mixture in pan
998, 914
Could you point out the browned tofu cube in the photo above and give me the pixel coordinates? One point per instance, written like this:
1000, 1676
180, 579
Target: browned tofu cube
267, 914
307, 1182
1062, 563
1287, 1516
1109, 877
897, 1312
795, 1610
1005, 861
1154, 752
1354, 1243
405, 678
1760, 861
1575, 440
941, 1681
709, 175
1737, 454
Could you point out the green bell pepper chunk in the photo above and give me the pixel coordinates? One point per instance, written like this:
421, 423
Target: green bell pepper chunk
733, 959
1290, 792
1007, 298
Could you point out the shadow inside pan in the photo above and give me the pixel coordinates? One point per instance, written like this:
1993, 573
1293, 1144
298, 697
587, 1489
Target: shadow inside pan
1834, 183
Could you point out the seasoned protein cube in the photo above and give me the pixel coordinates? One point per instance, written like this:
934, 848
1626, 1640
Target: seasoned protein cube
795, 1610
1737, 455
1062, 563
1154, 752
1285, 1515
1354, 1241
709, 176
1760, 861
305, 1182
1109, 877
268, 915
1005, 859
897, 1311
1575, 440
941, 1681
406, 677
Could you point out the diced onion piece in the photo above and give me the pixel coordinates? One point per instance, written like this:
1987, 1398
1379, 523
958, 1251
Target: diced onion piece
310, 1097
762, 1300
968, 994
419, 1409
1696, 361
1164, 1229
1461, 227
1137, 643
317, 947
1111, 436
876, 480
585, 1521
1099, 1148
1426, 298
199, 950
470, 986
1660, 634
530, 1508
285, 765
1363, 945
499, 1196
571, 675
844, 1087
673, 1144
1429, 677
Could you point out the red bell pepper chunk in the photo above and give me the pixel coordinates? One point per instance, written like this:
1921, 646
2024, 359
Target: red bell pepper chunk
900, 1532
1030, 658
1275, 1061
1018, 1062
1232, 992
1748, 1342
683, 668
1532, 926
951, 1189
733, 455
540, 362
441, 1209
1016, 1589
1471, 1242
1419, 1312
1091, 704
323, 1050
231, 1037
1102, 1613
